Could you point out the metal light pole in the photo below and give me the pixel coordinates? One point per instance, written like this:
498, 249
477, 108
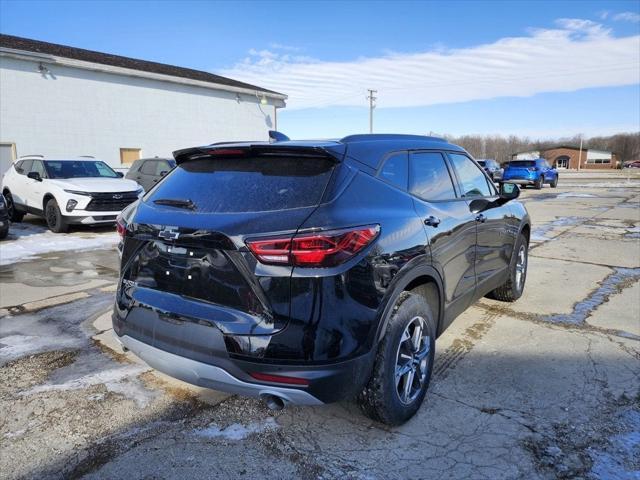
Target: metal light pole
372, 105
580, 154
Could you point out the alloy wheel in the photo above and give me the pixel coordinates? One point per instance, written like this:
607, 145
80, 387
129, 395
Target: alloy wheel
412, 360
521, 267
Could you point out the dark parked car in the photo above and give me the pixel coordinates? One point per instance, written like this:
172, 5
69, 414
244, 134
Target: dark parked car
148, 171
493, 169
314, 271
4, 218
531, 172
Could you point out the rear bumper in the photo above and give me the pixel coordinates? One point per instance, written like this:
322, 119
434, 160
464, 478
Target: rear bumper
520, 181
211, 376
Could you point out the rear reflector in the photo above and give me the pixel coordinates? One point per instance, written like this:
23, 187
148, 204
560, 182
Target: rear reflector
265, 377
318, 249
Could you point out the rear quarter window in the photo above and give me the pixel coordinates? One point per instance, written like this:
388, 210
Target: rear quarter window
255, 184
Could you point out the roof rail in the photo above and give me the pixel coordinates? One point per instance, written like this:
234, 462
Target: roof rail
86, 156
388, 136
25, 156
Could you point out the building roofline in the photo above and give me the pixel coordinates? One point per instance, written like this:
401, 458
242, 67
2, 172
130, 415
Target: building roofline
36, 50
568, 147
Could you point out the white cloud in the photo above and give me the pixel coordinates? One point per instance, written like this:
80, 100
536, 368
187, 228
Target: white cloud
575, 54
627, 17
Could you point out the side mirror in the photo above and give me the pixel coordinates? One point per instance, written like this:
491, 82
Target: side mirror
34, 176
480, 205
509, 191
163, 173
120, 174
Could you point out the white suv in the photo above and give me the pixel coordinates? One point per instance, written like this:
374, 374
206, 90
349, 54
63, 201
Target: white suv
66, 191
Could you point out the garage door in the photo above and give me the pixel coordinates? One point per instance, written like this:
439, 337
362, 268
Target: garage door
7, 156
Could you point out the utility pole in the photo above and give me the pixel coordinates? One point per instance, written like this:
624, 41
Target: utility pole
372, 105
580, 154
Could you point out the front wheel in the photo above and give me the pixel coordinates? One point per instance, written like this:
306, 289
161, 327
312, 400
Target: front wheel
14, 215
554, 182
512, 289
54, 218
403, 364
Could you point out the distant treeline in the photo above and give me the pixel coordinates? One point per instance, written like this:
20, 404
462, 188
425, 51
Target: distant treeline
625, 145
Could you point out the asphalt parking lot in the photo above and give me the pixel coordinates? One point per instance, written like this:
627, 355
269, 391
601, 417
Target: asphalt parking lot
547, 387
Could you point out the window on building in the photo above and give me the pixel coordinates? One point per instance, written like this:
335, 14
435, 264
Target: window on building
129, 155
430, 178
395, 170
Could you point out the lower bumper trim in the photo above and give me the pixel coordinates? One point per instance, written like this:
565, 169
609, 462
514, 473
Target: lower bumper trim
210, 376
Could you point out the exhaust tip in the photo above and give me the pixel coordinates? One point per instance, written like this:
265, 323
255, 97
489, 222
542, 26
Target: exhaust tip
272, 402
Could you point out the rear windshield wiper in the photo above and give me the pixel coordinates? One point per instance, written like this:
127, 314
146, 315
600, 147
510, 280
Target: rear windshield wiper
176, 202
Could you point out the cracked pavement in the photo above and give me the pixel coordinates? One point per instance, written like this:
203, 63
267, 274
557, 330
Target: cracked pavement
547, 387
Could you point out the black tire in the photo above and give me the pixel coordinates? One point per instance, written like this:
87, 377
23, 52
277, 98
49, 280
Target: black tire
380, 398
4, 231
512, 289
14, 215
554, 182
539, 183
54, 218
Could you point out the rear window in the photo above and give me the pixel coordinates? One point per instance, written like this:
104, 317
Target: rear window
256, 184
523, 164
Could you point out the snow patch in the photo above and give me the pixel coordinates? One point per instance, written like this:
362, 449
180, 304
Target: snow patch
107, 377
237, 431
34, 240
572, 194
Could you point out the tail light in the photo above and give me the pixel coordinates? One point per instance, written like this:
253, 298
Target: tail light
121, 227
318, 249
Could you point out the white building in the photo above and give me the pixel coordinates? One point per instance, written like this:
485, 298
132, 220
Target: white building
63, 101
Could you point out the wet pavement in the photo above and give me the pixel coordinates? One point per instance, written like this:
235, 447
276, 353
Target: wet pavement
547, 387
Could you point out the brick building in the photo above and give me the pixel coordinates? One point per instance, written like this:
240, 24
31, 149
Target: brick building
566, 157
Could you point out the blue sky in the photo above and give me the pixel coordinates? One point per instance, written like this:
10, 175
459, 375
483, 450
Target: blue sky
540, 68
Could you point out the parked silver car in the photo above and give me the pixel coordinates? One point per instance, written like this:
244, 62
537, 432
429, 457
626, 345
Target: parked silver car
148, 171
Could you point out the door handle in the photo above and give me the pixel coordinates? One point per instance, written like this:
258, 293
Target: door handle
481, 218
432, 221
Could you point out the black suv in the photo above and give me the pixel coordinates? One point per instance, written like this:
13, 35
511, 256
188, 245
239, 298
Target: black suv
308, 272
493, 169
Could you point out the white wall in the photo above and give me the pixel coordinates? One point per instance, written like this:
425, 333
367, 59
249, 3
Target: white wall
81, 112
528, 155
598, 154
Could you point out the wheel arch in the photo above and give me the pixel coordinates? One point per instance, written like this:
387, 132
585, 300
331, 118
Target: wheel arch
423, 280
47, 196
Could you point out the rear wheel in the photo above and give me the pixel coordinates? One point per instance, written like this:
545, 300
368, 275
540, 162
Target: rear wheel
539, 183
54, 218
14, 215
512, 289
4, 231
403, 364
554, 182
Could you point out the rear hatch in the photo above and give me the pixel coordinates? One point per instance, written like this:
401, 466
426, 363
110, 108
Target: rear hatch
185, 257
520, 169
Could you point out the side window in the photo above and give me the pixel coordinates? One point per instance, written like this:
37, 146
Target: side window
395, 170
38, 167
163, 166
149, 167
430, 178
474, 182
24, 167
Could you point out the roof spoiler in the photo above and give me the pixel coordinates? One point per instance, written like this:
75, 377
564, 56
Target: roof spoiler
228, 150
